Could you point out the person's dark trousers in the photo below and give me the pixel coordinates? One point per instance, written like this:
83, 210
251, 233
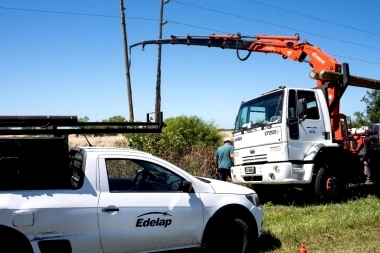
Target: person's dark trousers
224, 173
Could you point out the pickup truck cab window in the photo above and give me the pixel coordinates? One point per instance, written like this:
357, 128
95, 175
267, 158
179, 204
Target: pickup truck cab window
131, 175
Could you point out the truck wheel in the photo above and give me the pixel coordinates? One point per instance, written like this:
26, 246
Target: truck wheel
231, 236
327, 184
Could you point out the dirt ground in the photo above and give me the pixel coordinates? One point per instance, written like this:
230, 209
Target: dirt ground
227, 134
105, 141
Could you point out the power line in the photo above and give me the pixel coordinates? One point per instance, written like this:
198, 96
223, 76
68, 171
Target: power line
195, 6
76, 13
256, 20
372, 62
108, 16
60, 12
319, 19
189, 25
194, 26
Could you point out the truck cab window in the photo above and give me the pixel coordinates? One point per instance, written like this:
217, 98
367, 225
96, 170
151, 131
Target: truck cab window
127, 175
312, 107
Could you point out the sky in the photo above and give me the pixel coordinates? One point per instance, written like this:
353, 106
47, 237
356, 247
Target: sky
67, 58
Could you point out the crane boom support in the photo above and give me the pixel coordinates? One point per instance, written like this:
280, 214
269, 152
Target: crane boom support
357, 81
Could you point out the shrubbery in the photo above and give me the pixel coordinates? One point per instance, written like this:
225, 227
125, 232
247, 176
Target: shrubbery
188, 142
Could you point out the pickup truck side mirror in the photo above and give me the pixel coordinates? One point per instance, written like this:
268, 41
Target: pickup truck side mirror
187, 186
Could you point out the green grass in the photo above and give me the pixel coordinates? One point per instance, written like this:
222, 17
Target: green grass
350, 226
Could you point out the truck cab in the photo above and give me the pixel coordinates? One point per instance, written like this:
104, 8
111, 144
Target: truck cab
278, 134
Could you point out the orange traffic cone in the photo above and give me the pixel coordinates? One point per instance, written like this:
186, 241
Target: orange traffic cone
303, 249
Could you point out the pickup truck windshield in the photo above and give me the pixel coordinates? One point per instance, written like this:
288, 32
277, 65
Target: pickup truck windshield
266, 109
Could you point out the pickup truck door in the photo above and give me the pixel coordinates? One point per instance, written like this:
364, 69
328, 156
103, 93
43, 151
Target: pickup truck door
140, 211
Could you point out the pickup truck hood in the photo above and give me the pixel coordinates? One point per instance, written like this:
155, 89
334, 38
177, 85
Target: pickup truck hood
225, 187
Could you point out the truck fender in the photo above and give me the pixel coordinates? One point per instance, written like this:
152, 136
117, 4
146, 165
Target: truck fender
314, 149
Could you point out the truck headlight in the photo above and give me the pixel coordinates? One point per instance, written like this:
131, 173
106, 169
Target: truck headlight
254, 199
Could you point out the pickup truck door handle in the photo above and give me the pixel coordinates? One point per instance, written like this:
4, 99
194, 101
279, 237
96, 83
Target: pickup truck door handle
110, 209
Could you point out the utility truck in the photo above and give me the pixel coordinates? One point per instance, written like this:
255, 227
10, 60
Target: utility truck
110, 200
294, 136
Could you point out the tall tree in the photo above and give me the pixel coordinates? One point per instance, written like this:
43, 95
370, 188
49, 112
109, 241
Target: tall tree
372, 111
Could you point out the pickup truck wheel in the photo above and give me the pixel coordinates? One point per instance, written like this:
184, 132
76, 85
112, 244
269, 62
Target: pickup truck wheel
327, 184
13, 241
232, 236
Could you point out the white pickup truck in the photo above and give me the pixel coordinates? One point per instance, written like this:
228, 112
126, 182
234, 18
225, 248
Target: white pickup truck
100, 199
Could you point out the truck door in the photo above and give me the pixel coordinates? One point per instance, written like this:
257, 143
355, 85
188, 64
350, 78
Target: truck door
142, 207
304, 130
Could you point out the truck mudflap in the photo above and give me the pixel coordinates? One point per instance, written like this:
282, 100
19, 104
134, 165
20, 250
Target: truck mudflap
273, 173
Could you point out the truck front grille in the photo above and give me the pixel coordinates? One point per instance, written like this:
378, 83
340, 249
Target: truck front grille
254, 158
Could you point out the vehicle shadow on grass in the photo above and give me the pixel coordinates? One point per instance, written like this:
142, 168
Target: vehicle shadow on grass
267, 243
283, 195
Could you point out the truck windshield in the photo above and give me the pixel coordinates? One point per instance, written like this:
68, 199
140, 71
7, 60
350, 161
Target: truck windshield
260, 111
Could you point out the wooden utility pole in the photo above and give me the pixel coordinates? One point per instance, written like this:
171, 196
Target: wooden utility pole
158, 81
126, 59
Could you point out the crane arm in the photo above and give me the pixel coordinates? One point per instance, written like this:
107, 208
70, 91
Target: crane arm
289, 47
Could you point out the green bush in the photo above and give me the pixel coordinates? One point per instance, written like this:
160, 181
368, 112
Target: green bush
188, 142
194, 130
179, 133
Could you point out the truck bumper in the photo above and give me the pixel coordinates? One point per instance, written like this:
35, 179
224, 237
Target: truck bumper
273, 173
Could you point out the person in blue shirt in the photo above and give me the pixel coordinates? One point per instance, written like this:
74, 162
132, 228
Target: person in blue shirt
224, 159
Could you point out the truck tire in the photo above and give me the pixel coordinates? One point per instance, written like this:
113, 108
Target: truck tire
13, 241
233, 236
327, 185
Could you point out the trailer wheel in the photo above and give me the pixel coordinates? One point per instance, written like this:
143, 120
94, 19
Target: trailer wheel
327, 185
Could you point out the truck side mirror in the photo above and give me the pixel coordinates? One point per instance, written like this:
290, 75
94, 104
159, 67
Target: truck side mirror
301, 108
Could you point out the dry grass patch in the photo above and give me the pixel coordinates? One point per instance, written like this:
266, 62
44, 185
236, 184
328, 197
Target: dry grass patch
100, 141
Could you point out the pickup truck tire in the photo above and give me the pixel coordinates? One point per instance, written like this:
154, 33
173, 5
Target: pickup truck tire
231, 236
12, 240
326, 184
